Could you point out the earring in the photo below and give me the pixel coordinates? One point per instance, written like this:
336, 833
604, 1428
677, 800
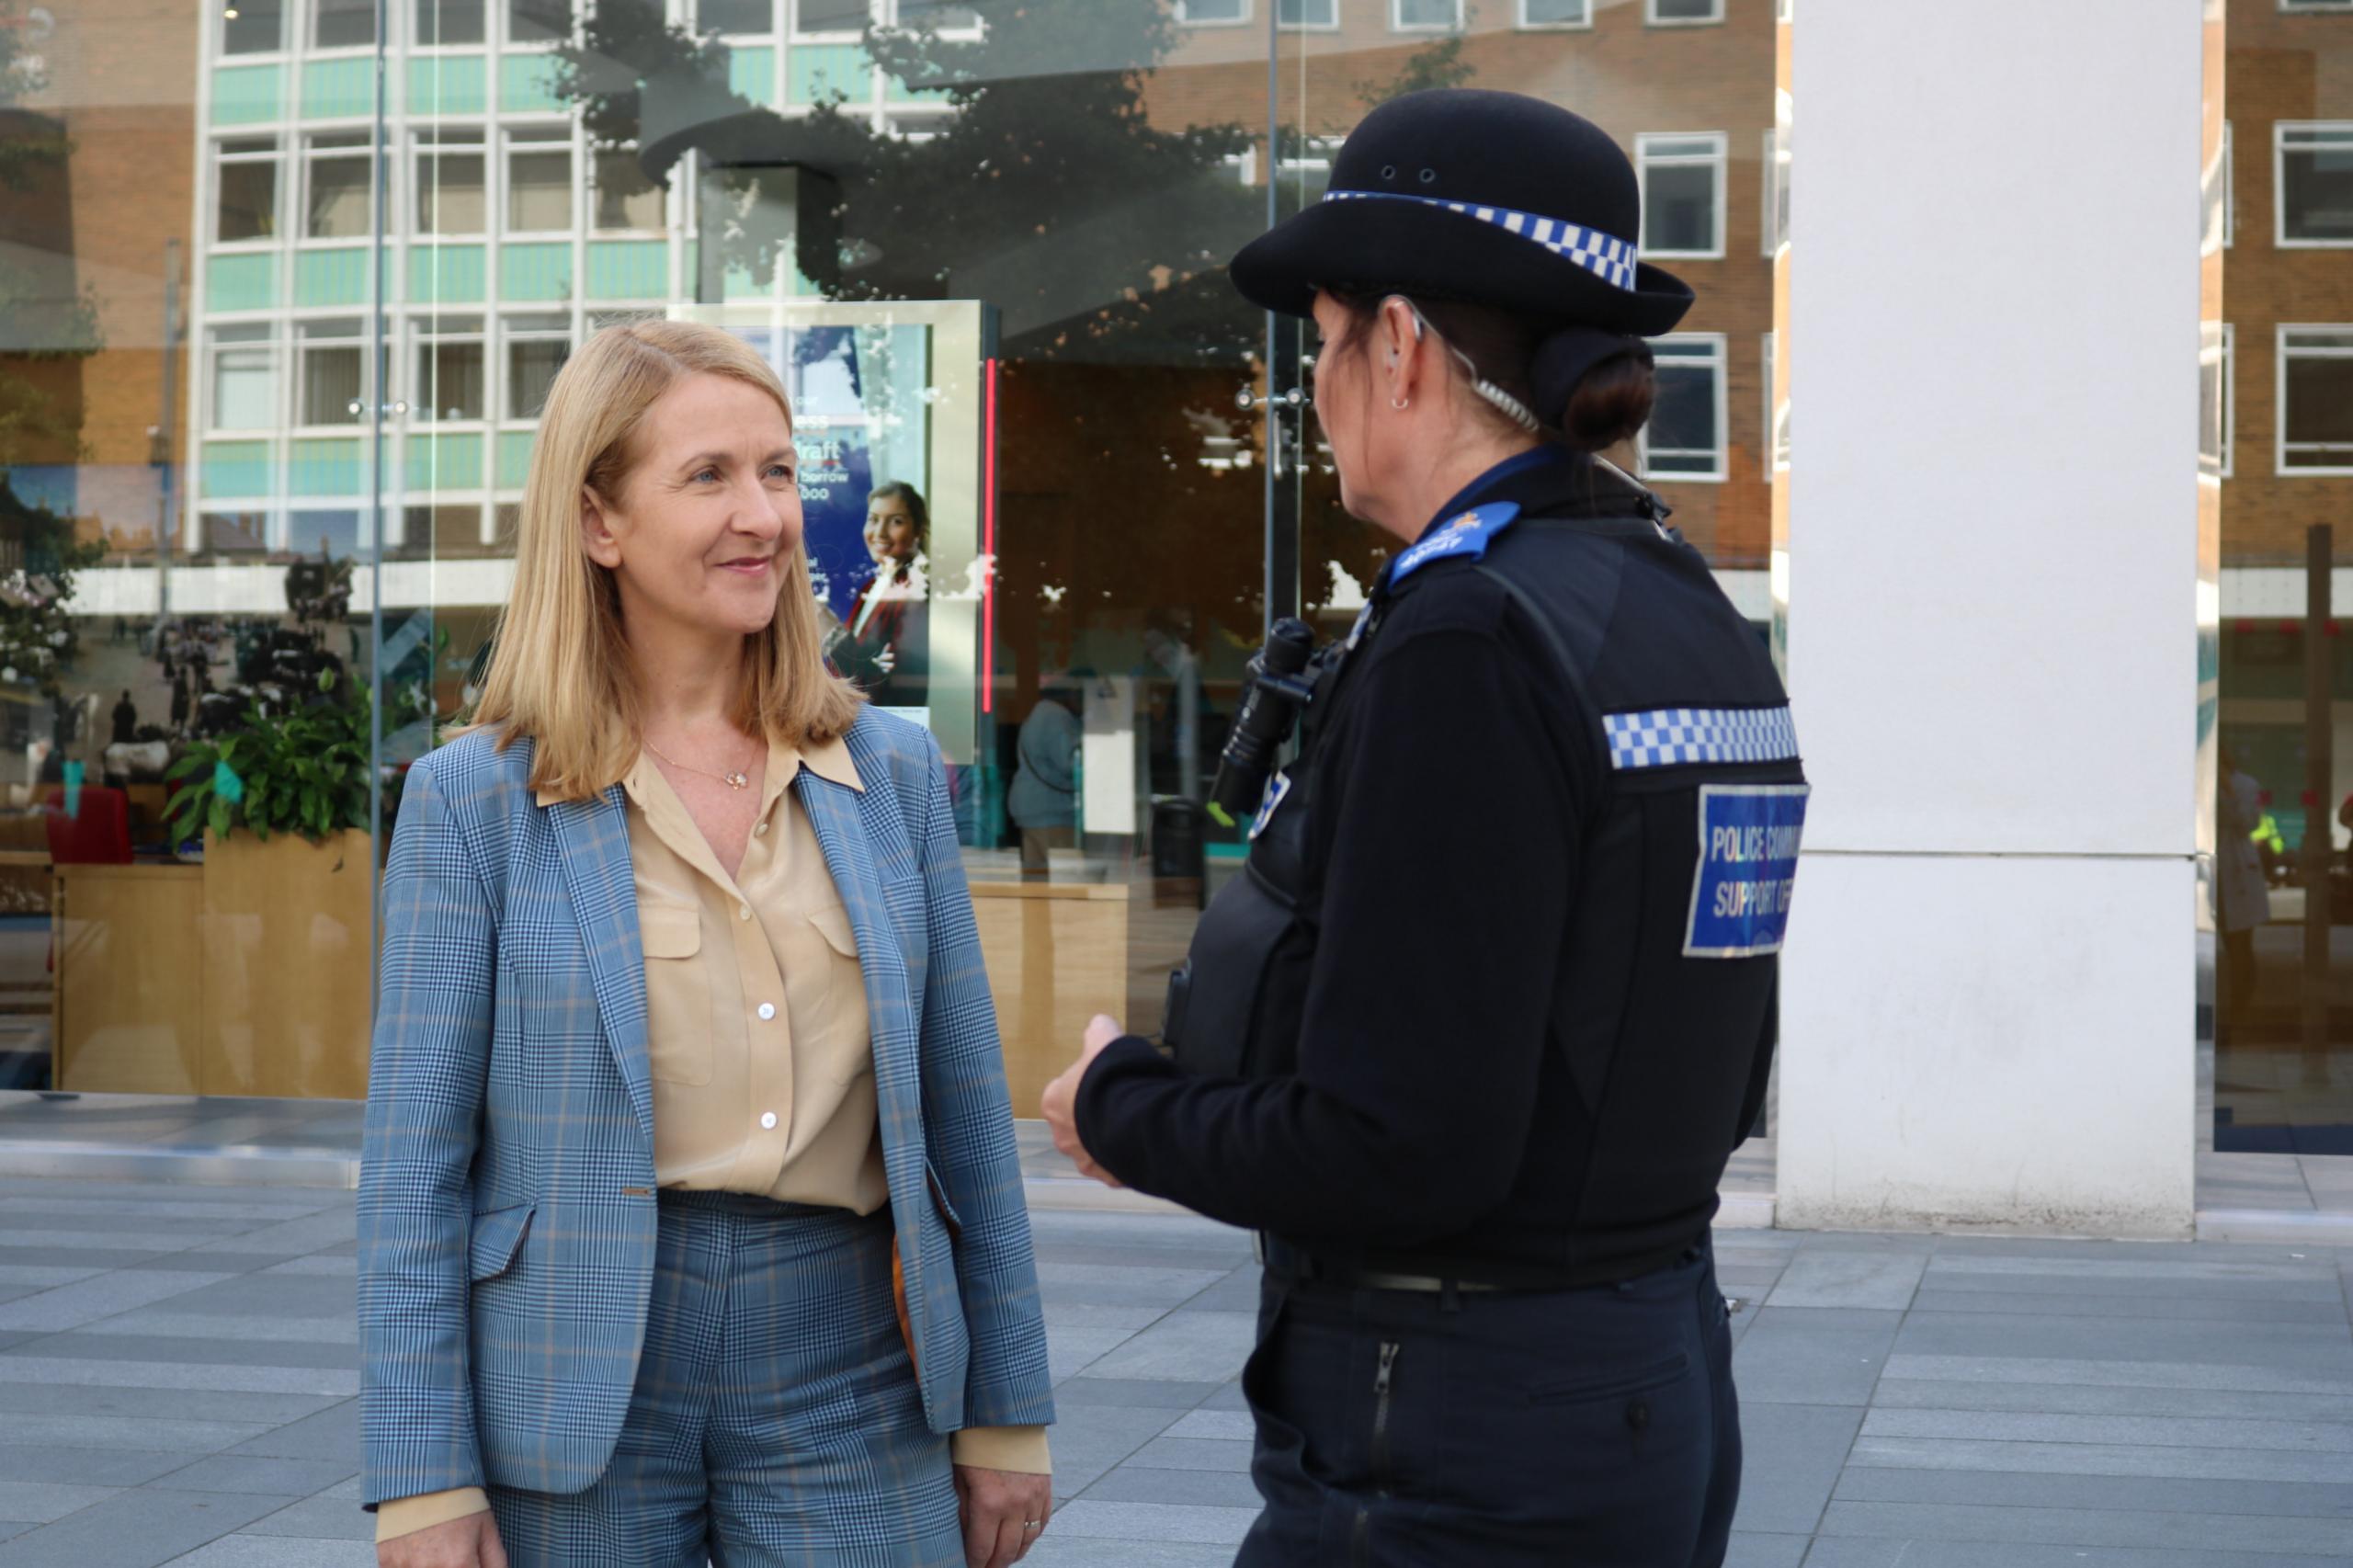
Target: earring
1401, 403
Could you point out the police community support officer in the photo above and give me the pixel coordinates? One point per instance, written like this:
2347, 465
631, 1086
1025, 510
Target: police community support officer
1496, 989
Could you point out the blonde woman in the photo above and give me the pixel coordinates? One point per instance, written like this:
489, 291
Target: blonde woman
689, 1221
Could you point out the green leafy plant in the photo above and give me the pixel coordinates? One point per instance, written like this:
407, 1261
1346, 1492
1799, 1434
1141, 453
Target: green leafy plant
300, 769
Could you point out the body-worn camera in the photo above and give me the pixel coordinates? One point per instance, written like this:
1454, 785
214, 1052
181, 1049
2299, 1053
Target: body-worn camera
1279, 688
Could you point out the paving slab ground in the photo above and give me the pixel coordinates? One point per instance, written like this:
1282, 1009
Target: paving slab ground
178, 1382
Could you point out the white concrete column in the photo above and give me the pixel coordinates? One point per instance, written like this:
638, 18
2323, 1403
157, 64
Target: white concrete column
1989, 1001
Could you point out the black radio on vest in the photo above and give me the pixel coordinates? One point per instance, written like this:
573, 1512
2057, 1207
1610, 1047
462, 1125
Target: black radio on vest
1275, 694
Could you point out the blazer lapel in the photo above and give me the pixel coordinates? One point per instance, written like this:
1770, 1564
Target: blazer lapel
593, 838
833, 814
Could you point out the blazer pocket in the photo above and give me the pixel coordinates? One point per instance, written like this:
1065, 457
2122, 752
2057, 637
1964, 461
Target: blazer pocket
678, 993
497, 1237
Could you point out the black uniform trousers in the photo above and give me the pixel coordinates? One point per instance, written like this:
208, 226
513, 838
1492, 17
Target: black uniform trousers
1594, 1426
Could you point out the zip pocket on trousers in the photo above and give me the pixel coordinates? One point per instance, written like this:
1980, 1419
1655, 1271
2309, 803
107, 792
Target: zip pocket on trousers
1614, 1383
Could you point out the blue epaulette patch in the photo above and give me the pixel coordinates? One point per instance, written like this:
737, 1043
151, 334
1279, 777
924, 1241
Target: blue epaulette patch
1466, 535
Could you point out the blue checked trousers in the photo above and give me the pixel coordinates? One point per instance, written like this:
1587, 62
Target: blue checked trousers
775, 1420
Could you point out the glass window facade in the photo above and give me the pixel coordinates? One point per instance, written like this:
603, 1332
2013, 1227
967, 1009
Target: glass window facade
262, 465
2276, 400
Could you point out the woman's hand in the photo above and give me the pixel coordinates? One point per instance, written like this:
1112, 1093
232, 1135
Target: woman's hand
1000, 1508
469, 1542
1059, 1105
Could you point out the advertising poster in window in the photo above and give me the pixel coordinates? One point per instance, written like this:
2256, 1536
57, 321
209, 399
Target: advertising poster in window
859, 419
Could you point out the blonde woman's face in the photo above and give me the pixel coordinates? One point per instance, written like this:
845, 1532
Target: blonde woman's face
709, 516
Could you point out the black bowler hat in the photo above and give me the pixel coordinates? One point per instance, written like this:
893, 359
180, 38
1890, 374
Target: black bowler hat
1491, 198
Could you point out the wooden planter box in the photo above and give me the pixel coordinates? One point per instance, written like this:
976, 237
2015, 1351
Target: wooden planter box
246, 975
287, 957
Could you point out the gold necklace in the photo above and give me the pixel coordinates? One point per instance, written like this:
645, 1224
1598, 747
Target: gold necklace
737, 780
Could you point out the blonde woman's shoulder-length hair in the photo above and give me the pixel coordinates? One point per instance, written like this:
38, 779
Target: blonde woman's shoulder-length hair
561, 671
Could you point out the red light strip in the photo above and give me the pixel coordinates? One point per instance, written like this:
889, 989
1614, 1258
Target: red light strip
988, 544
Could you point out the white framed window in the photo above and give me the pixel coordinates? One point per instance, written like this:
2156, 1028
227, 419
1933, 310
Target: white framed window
1308, 16
343, 24
1213, 13
232, 533
1776, 408
1426, 15
920, 125
2221, 199
539, 21
452, 196
1776, 158
2216, 415
1682, 13
538, 179
332, 533
452, 380
244, 190
253, 27
2312, 176
449, 23
735, 16
536, 348
330, 372
1685, 435
337, 167
244, 377
625, 201
1536, 14
1683, 193
2316, 397
953, 17
829, 19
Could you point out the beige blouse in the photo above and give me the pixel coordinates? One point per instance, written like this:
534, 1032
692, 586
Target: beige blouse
762, 1053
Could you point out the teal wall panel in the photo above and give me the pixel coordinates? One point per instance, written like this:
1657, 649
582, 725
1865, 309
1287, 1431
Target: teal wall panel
324, 466
628, 269
448, 84
446, 275
338, 89
526, 84
535, 270
814, 72
241, 282
514, 458
331, 277
248, 95
751, 74
235, 468
443, 462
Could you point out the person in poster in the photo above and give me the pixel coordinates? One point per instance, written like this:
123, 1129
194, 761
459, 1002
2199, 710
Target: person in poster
884, 646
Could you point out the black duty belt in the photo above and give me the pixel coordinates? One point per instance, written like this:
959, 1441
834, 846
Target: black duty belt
1450, 1276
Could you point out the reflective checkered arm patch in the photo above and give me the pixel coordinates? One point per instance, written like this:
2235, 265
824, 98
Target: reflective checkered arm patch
1677, 737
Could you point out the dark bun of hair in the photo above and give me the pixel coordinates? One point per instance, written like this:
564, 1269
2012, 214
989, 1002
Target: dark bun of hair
1595, 387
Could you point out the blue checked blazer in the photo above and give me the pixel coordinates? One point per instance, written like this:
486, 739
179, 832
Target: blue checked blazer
506, 1209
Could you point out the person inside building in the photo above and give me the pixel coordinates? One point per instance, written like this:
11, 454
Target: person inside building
1499, 982
1043, 798
2242, 889
690, 1222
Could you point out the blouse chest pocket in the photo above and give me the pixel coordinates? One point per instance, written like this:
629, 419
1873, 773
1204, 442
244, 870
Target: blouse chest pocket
826, 985
678, 993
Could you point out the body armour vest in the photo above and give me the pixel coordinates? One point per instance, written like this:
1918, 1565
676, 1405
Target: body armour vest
1671, 724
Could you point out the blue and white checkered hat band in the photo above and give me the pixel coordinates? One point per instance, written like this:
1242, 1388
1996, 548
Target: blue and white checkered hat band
1610, 259
1674, 737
